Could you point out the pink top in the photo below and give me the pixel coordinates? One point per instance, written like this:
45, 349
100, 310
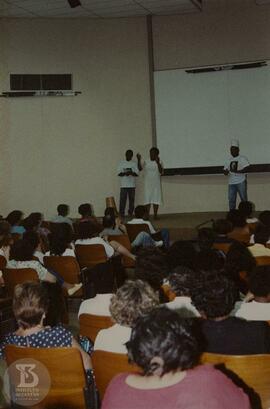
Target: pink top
203, 388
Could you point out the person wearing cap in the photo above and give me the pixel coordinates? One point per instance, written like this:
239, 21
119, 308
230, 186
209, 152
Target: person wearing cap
236, 168
127, 170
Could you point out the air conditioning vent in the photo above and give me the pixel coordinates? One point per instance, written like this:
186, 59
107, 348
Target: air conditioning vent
40, 82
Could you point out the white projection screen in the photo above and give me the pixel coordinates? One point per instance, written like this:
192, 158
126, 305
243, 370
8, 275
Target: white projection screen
197, 116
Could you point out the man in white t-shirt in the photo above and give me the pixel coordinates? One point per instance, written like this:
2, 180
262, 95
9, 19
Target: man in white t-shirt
236, 167
128, 171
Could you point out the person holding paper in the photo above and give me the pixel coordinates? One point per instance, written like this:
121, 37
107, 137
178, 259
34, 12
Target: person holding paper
127, 170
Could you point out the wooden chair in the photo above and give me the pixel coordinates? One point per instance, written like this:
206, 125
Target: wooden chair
168, 292
252, 371
262, 260
222, 246
90, 255
14, 276
108, 364
134, 229
124, 240
68, 268
91, 324
65, 367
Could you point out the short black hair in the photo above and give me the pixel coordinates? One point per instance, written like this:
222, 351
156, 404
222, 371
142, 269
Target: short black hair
238, 258
151, 266
236, 218
163, 334
264, 217
14, 217
181, 253
262, 234
87, 230
21, 250
33, 238
108, 221
63, 210
246, 208
60, 238
259, 282
154, 149
85, 209
222, 226
213, 294
182, 281
140, 211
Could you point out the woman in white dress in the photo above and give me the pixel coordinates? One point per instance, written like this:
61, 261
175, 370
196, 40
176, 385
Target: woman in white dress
153, 169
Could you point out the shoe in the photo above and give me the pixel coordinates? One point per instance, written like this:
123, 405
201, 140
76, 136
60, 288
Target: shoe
159, 243
74, 289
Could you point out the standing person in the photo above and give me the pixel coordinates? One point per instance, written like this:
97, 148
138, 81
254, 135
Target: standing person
127, 170
236, 167
152, 183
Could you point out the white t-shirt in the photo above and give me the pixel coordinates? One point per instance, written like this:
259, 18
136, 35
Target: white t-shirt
124, 166
113, 339
252, 311
236, 163
141, 221
99, 305
184, 307
97, 240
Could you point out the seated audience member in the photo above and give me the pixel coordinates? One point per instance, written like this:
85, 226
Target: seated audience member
62, 217
132, 300
140, 216
61, 241
210, 259
206, 237
166, 349
143, 239
240, 226
5, 239
111, 211
222, 228
261, 237
181, 282
152, 267
214, 297
103, 288
86, 212
247, 208
21, 256
239, 259
264, 218
182, 253
30, 306
258, 309
34, 239
88, 234
14, 218
33, 223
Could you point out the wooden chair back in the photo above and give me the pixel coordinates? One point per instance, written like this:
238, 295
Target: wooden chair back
168, 292
253, 371
14, 276
66, 371
222, 246
90, 324
3, 263
124, 240
262, 260
108, 364
134, 229
90, 255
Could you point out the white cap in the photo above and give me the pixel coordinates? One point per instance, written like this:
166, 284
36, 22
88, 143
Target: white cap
235, 142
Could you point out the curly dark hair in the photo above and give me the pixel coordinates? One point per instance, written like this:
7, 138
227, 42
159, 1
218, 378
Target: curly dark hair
85, 209
246, 208
60, 238
14, 217
259, 282
86, 230
236, 218
151, 266
182, 281
181, 253
22, 250
238, 259
63, 210
214, 294
165, 335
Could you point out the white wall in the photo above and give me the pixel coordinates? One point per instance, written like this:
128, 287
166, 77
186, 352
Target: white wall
66, 149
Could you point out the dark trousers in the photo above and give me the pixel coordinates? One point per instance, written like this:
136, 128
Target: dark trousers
124, 193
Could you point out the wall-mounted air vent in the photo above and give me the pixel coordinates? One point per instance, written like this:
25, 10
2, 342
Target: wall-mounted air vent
217, 68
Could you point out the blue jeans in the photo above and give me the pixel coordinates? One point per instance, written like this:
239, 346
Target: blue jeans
143, 239
241, 189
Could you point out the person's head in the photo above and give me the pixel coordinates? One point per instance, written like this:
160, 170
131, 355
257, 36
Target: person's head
33, 239
140, 212
181, 253
33, 221
209, 259
108, 221
131, 301
182, 281
238, 259
222, 227
236, 218
162, 342
5, 236
85, 210
63, 210
60, 238
235, 150
87, 230
22, 250
14, 217
129, 155
264, 218
213, 295
206, 237
30, 304
259, 283
151, 266
246, 208
262, 234
154, 152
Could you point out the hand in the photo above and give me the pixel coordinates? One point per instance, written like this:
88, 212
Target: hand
226, 172
139, 156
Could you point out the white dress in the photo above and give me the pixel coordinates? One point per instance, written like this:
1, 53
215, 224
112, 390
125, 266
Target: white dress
152, 183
